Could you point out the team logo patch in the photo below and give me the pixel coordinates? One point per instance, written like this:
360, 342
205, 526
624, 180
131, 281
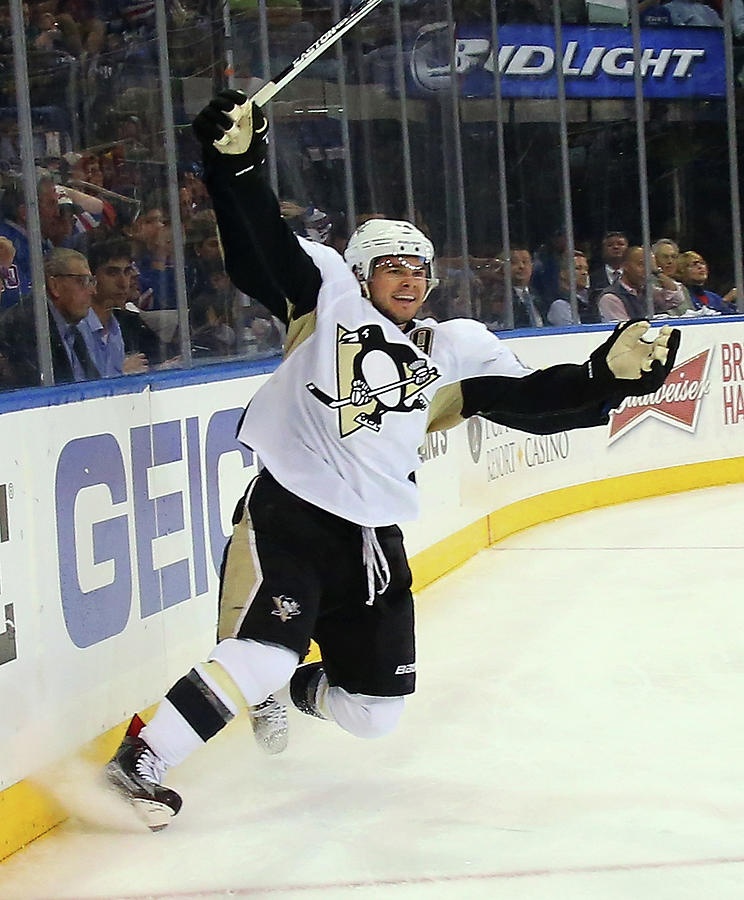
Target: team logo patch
374, 377
286, 607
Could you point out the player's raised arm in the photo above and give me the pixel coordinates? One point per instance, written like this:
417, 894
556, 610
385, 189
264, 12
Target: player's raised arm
262, 255
577, 396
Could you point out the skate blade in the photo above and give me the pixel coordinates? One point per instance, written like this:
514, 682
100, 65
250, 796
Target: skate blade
155, 815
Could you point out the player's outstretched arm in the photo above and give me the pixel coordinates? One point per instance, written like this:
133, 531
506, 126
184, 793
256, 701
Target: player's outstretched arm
262, 255
577, 396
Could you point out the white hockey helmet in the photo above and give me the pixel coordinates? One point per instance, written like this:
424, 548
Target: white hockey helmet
388, 237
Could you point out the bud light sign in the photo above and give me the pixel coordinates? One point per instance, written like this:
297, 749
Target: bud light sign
596, 62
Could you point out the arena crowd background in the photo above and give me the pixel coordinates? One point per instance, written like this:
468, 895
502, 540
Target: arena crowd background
513, 169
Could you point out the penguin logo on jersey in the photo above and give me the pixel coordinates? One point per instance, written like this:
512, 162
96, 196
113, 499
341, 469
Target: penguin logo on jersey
286, 607
375, 377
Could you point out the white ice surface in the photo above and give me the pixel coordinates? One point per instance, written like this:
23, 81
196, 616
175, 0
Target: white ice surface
577, 735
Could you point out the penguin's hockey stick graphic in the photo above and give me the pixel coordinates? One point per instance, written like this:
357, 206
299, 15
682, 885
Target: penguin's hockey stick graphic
346, 401
272, 87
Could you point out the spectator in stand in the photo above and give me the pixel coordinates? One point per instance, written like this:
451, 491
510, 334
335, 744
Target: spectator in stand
692, 271
59, 226
737, 11
666, 254
111, 263
131, 130
55, 214
186, 207
10, 286
560, 313
190, 177
138, 336
136, 16
686, 12
225, 321
307, 221
13, 227
546, 270
487, 289
85, 172
52, 30
202, 249
212, 326
56, 228
626, 298
524, 301
153, 254
613, 250
69, 287
87, 16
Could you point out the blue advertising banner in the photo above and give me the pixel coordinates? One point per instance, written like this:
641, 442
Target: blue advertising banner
597, 61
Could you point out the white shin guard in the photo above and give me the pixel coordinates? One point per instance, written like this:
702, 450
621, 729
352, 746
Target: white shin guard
257, 669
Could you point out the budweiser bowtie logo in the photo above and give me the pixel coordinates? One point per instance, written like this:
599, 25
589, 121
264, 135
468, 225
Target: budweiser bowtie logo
677, 401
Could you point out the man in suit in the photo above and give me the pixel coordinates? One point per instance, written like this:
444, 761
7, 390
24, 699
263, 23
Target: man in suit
605, 274
526, 312
69, 289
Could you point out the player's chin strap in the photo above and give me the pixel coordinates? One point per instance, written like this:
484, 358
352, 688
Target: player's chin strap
378, 570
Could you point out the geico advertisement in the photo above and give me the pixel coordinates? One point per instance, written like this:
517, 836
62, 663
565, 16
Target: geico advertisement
168, 535
112, 523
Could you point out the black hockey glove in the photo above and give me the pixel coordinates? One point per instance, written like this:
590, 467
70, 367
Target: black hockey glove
233, 125
626, 365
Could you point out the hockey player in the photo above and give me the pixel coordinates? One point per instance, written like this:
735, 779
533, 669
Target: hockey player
315, 552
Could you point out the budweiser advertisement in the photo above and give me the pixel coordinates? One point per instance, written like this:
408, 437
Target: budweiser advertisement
677, 402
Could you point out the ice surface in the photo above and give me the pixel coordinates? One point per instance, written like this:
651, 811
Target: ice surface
576, 735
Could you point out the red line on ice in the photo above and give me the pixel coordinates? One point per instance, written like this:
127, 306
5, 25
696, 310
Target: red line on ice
424, 879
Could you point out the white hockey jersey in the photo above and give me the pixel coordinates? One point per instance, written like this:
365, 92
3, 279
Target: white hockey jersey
340, 421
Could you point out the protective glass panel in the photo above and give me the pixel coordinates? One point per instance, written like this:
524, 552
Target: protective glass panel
100, 171
406, 117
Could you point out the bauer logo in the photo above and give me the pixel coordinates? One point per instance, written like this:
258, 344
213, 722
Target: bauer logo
677, 402
407, 669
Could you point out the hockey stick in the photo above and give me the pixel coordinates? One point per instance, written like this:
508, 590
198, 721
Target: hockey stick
272, 87
346, 401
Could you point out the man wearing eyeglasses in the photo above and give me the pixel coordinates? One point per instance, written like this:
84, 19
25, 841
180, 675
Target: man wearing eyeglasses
69, 287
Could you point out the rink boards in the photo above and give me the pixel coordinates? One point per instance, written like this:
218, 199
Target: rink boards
115, 505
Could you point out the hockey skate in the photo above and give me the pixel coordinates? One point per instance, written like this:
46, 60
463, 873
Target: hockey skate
136, 774
270, 725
